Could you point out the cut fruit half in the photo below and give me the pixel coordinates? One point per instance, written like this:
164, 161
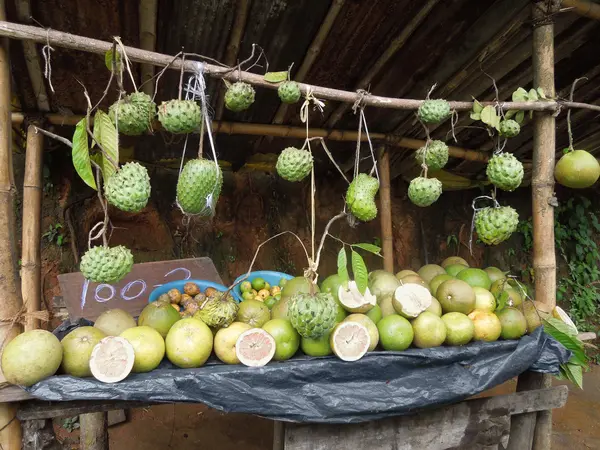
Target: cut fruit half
255, 347
411, 299
350, 341
112, 359
355, 302
560, 314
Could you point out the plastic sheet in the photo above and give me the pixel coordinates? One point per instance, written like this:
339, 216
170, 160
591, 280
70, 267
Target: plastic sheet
328, 390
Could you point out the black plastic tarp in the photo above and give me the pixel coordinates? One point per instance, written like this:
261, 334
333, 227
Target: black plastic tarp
305, 389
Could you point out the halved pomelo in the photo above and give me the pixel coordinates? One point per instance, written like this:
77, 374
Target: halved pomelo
355, 302
410, 300
255, 347
112, 359
560, 314
350, 341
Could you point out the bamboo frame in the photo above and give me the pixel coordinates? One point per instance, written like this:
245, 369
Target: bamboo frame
147, 13
385, 199
583, 8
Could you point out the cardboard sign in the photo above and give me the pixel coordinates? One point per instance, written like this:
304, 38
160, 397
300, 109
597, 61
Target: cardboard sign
88, 300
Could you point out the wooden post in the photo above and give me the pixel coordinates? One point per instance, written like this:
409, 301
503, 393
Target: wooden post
94, 431
534, 430
31, 275
387, 238
147, 12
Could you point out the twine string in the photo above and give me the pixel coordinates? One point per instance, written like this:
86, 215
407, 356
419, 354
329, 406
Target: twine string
47, 53
476, 210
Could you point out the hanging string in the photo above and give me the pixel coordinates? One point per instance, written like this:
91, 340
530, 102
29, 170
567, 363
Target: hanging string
476, 210
364, 123
47, 53
569, 131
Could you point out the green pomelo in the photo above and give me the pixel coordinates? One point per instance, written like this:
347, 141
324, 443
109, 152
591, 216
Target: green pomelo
287, 339
77, 348
331, 285
30, 357
114, 321
475, 277
487, 326
437, 280
375, 314
382, 284
454, 260
148, 347
577, 169
387, 306
430, 271
456, 296
298, 285
254, 313
317, 347
429, 330
225, 340
404, 273
494, 273
395, 333
503, 292
513, 323
459, 328
189, 343
280, 309
454, 269
534, 313
414, 279
160, 316
369, 324
435, 307
484, 299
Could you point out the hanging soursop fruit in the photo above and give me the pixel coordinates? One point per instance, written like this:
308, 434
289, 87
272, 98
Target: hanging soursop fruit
180, 116
289, 92
435, 154
133, 114
509, 128
312, 315
218, 311
424, 191
360, 197
239, 96
199, 186
505, 171
434, 111
495, 225
294, 164
129, 188
106, 264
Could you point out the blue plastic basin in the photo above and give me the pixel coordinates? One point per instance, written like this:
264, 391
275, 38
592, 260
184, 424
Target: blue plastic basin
269, 276
202, 284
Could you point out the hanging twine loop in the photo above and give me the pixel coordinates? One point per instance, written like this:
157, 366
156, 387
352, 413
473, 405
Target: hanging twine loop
476, 210
47, 54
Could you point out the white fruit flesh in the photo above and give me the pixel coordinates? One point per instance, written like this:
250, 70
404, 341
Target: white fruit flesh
112, 359
411, 299
350, 341
255, 347
353, 301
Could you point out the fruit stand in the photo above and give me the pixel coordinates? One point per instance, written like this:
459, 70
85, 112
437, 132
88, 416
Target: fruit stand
385, 359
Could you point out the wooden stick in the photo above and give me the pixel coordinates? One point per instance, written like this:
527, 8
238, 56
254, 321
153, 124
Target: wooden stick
94, 431
583, 8
71, 41
387, 238
147, 12
11, 434
31, 274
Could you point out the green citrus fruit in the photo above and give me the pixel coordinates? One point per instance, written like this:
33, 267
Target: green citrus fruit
270, 302
459, 328
454, 269
287, 339
258, 284
494, 273
395, 333
475, 277
437, 280
429, 271
435, 307
456, 296
254, 313
487, 326
316, 347
453, 260
246, 286
484, 299
429, 330
375, 314
371, 328
513, 322
148, 347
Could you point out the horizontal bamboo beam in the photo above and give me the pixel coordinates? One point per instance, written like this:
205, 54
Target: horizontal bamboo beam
284, 131
85, 44
583, 8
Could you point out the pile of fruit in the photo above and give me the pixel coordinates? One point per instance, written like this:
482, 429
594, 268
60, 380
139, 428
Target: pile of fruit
259, 289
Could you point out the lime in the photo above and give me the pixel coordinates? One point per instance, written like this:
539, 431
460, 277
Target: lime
246, 286
248, 295
258, 284
282, 282
270, 302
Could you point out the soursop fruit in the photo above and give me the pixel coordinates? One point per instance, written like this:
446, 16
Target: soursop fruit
495, 225
312, 315
294, 164
360, 197
435, 155
505, 171
129, 188
239, 96
133, 114
180, 116
289, 92
509, 128
106, 264
434, 111
218, 311
424, 191
199, 186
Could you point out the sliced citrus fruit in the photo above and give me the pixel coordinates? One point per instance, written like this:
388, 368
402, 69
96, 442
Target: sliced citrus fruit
350, 341
255, 347
112, 359
410, 300
355, 302
560, 314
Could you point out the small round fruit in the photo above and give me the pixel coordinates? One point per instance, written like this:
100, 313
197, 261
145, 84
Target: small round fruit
456, 296
375, 314
429, 329
577, 169
435, 307
275, 290
77, 350
487, 326
148, 347
484, 300
371, 327
430, 271
246, 286
255, 347
191, 289
287, 339
254, 313
248, 296
350, 341
174, 295
282, 282
225, 340
263, 293
210, 291
258, 283
114, 321
454, 269
454, 260
270, 302
189, 343
112, 359
316, 347
395, 333
513, 323
475, 277
459, 328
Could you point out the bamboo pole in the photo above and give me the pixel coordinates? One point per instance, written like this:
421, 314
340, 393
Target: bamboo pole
81, 43
94, 431
31, 275
11, 435
147, 13
385, 199
583, 8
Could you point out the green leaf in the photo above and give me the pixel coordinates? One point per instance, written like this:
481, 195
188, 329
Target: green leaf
108, 60
360, 272
342, 262
520, 117
520, 95
475, 116
574, 374
106, 134
489, 116
510, 114
477, 107
566, 336
541, 93
533, 96
369, 248
276, 77
81, 154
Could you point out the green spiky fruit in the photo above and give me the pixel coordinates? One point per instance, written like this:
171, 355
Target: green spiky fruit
360, 197
239, 96
199, 186
509, 128
495, 225
505, 171
180, 116
129, 188
133, 114
294, 164
424, 191
289, 92
312, 315
435, 155
106, 264
218, 311
434, 111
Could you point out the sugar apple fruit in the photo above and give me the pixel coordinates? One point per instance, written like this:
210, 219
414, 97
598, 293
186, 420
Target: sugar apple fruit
360, 197
312, 315
289, 92
218, 311
495, 225
509, 128
106, 264
505, 171
239, 96
294, 164
199, 187
180, 116
435, 155
129, 188
434, 111
133, 114
424, 191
